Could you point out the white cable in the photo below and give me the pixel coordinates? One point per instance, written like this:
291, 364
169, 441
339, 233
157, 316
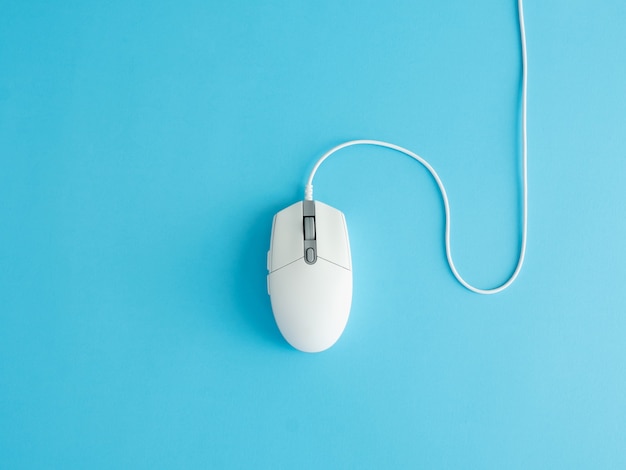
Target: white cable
308, 193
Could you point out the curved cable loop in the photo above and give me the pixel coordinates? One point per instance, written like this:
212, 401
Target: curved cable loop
308, 193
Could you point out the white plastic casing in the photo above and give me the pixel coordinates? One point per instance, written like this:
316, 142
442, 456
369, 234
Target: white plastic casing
311, 302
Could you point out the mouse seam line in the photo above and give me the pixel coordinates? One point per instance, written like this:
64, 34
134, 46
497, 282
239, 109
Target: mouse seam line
278, 269
329, 261
302, 257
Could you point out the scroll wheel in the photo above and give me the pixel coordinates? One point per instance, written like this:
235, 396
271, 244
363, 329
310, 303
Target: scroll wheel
309, 228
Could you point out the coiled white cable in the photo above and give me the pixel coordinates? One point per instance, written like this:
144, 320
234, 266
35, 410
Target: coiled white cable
308, 193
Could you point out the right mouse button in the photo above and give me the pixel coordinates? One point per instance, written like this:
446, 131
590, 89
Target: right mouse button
332, 235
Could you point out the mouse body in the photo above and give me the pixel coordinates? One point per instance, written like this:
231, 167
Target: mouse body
310, 274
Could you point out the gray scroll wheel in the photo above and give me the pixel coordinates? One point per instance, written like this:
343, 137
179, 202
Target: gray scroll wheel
309, 228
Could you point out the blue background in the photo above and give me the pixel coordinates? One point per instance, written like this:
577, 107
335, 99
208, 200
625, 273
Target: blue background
145, 147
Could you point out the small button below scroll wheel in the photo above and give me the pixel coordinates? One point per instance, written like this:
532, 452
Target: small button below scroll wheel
309, 228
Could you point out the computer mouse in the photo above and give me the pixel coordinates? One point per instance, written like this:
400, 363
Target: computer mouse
310, 274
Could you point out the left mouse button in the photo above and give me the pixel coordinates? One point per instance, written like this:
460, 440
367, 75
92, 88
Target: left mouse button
287, 241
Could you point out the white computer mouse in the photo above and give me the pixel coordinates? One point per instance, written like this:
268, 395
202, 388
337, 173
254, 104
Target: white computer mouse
310, 275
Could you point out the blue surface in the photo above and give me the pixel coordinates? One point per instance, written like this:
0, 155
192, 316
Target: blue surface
144, 148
